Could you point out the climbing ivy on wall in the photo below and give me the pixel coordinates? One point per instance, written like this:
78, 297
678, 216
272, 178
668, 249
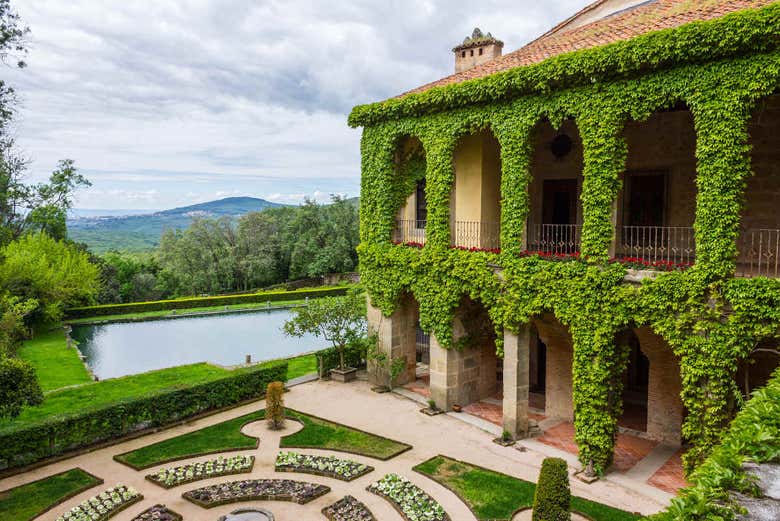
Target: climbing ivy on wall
709, 319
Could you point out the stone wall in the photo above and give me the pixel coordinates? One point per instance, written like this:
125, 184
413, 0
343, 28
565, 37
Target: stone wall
558, 393
396, 337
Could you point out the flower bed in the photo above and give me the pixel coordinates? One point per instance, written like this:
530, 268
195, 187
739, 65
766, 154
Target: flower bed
256, 490
410, 500
104, 505
158, 513
328, 466
348, 509
174, 476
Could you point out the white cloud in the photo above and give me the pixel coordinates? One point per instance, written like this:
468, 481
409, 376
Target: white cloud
232, 96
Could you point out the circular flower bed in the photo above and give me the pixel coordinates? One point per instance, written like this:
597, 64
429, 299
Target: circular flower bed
409, 499
104, 505
256, 489
348, 509
328, 466
158, 513
174, 476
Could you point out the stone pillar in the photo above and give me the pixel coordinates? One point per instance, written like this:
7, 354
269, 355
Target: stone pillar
664, 405
397, 338
559, 401
445, 369
516, 381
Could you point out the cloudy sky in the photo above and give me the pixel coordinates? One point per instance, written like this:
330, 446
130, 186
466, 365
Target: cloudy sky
167, 103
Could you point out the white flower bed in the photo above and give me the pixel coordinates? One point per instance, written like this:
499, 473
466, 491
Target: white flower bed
410, 500
329, 466
103, 506
173, 476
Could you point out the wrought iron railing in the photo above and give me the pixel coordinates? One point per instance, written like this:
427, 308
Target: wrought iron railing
476, 234
409, 231
759, 253
653, 244
554, 238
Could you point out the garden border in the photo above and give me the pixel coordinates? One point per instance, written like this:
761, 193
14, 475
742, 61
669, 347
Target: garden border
176, 515
100, 481
291, 470
348, 496
150, 477
480, 467
398, 509
281, 497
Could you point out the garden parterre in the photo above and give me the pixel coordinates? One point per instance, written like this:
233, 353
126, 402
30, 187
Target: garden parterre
104, 505
410, 500
330, 466
170, 477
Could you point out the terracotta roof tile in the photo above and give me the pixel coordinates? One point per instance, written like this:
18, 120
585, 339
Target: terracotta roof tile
623, 25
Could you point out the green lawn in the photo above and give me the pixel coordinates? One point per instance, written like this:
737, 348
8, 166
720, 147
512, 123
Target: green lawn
226, 436
301, 365
168, 313
56, 365
100, 394
29, 501
492, 495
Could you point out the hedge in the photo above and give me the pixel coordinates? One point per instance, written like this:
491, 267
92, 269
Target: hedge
552, 500
57, 435
354, 356
200, 302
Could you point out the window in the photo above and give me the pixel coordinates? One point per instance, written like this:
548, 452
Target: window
646, 199
472, 52
480, 51
420, 206
463, 54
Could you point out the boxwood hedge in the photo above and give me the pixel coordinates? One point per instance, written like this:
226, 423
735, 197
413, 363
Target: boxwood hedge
199, 302
58, 434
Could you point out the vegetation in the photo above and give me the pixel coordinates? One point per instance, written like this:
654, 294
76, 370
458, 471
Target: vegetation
552, 499
190, 303
29, 501
274, 405
495, 496
79, 416
690, 310
301, 365
339, 320
753, 437
227, 436
18, 387
56, 364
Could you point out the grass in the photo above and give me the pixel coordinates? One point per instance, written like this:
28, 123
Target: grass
57, 365
492, 495
166, 313
100, 394
226, 436
301, 365
33, 499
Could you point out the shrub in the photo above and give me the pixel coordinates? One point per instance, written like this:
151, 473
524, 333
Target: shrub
355, 355
58, 434
552, 500
18, 386
274, 405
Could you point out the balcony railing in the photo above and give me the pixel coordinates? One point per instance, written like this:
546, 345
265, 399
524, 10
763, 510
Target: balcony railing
653, 244
759, 253
476, 234
409, 231
554, 238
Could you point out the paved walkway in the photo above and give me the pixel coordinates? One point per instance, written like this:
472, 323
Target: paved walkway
355, 405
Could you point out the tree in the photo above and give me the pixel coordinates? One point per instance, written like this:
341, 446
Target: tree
338, 320
13, 329
18, 387
55, 274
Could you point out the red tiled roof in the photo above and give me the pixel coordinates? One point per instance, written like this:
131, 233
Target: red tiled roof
622, 25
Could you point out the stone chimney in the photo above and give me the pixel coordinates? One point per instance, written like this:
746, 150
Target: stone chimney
476, 50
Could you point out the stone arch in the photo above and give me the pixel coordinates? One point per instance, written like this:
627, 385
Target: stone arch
555, 216
475, 196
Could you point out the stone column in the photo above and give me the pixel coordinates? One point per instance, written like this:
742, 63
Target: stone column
396, 337
444, 368
516, 381
381, 326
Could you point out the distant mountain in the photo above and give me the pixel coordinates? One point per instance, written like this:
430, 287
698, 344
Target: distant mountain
143, 232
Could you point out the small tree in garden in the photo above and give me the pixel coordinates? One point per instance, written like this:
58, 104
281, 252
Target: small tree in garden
274, 405
336, 319
552, 500
18, 387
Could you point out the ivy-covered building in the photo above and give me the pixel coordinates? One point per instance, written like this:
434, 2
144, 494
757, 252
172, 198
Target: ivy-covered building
586, 228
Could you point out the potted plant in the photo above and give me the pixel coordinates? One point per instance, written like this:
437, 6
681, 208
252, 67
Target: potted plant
432, 409
338, 320
505, 440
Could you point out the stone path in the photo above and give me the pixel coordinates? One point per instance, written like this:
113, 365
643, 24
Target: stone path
355, 405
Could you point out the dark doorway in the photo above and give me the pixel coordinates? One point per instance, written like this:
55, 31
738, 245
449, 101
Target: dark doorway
559, 201
537, 371
421, 206
635, 386
646, 202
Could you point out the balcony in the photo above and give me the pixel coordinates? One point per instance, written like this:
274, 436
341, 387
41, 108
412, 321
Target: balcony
671, 246
759, 253
409, 232
476, 235
558, 239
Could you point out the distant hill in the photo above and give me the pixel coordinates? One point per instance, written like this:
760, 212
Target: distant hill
142, 232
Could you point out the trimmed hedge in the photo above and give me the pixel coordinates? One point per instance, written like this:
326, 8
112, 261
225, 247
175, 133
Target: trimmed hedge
57, 435
201, 302
552, 500
354, 356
